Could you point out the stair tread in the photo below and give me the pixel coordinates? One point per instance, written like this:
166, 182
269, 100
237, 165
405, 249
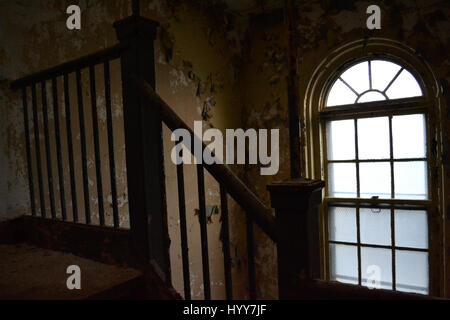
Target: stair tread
28, 272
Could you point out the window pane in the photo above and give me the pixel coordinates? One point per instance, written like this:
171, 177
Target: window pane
343, 263
411, 180
375, 226
342, 224
405, 86
371, 96
358, 77
382, 260
408, 134
342, 180
375, 179
411, 229
341, 140
382, 73
411, 271
340, 94
373, 138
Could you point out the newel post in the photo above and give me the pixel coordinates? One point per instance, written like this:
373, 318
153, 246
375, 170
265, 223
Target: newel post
144, 152
298, 247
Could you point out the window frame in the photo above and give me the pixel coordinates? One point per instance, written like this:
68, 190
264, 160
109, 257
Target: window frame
389, 108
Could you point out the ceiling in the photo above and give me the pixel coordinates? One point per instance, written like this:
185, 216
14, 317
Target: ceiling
249, 7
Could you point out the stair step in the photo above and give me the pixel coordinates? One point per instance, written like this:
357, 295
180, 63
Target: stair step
32, 273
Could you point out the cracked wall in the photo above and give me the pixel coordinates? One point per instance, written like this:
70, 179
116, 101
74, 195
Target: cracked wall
227, 69
196, 55
320, 27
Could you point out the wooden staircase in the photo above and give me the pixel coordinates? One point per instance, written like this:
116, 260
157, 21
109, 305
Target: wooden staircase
35, 254
293, 224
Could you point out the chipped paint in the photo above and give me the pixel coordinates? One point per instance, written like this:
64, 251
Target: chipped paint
212, 63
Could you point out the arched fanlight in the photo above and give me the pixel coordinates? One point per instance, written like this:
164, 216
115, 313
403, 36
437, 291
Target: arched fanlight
373, 80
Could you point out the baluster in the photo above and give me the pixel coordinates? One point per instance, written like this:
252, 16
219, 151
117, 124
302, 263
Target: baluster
47, 149
251, 258
83, 148
98, 168
225, 236
112, 165
73, 188
183, 231
38, 150
58, 149
203, 231
28, 149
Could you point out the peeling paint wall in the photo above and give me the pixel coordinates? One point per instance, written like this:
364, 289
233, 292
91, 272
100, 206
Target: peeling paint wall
34, 37
321, 27
212, 64
197, 53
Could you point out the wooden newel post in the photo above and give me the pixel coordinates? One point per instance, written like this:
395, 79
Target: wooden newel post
144, 151
298, 248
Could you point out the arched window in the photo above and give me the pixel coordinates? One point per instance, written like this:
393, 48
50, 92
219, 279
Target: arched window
373, 80
375, 159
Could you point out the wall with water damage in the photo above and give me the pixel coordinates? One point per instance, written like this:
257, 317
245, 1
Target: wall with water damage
319, 28
227, 69
197, 54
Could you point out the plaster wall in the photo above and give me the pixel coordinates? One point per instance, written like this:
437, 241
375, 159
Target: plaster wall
195, 55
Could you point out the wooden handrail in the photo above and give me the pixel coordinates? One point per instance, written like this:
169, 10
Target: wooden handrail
261, 214
100, 56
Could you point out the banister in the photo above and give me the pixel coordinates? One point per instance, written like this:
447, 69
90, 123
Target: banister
261, 214
100, 56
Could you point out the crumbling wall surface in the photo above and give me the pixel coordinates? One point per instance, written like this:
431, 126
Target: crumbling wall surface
197, 58
321, 27
34, 37
228, 70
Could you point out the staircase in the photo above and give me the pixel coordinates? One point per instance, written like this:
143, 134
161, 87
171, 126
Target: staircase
138, 258
32, 273
35, 254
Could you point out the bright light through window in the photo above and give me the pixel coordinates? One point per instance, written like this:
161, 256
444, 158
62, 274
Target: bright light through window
381, 158
374, 80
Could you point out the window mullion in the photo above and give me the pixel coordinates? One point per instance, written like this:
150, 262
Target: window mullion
394, 282
393, 79
358, 195
391, 155
358, 243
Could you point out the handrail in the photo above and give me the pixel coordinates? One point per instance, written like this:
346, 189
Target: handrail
100, 56
261, 214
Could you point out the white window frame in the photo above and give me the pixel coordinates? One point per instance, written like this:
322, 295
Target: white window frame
313, 115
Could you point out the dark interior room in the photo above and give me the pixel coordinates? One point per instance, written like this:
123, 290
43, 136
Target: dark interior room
224, 150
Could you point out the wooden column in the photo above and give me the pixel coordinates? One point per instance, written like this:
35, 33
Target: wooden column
144, 150
298, 247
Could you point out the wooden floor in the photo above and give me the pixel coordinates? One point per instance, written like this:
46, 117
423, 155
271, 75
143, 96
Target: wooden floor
28, 272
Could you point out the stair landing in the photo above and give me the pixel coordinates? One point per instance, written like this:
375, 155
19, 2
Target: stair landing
31, 273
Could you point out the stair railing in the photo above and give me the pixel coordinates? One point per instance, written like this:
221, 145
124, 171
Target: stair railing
294, 228
41, 80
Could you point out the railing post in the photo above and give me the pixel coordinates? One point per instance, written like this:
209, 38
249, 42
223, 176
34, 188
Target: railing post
144, 151
298, 247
